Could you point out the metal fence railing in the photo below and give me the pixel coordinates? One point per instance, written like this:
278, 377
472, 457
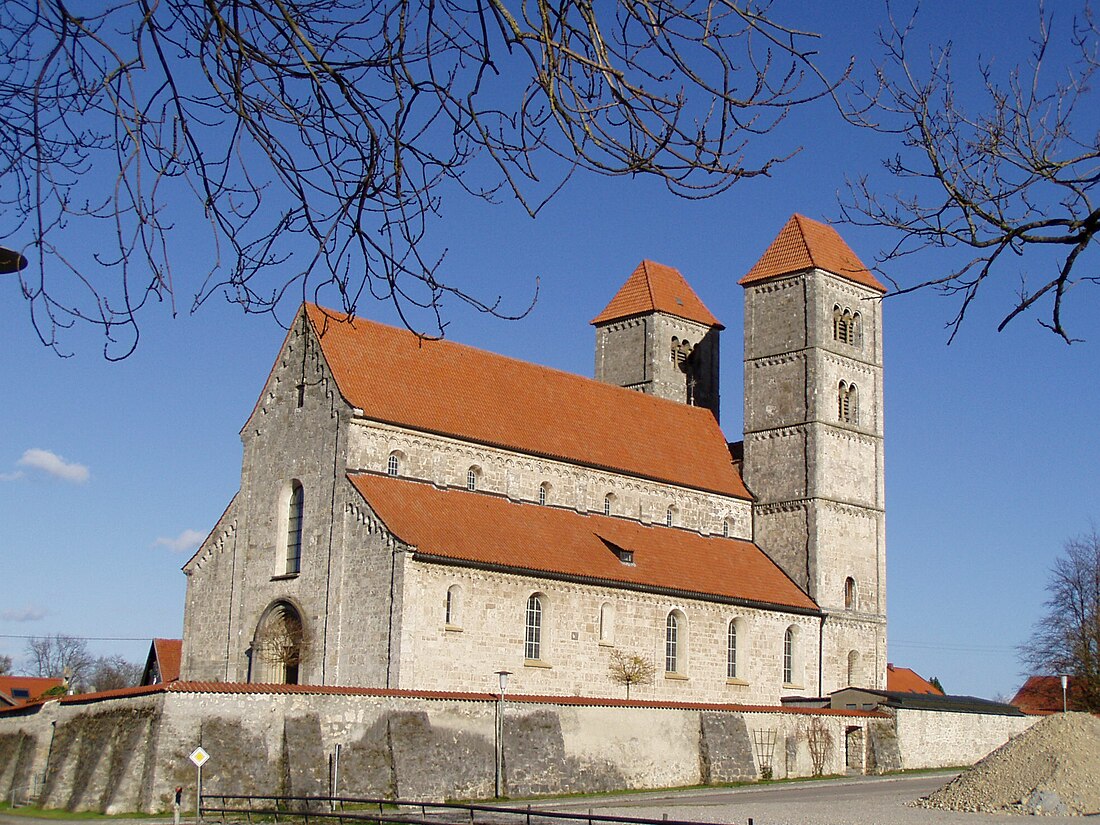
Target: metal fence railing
336, 809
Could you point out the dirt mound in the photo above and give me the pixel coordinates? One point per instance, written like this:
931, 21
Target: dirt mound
1051, 768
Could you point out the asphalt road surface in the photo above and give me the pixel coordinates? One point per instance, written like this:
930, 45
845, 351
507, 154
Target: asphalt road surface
856, 801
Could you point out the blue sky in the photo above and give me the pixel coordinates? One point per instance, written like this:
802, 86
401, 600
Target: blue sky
990, 443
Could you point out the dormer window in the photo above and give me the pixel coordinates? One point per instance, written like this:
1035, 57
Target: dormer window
625, 556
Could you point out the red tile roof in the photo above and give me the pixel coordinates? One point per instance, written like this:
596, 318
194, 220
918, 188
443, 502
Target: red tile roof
252, 688
491, 530
1043, 694
169, 653
807, 244
35, 686
435, 386
904, 680
654, 287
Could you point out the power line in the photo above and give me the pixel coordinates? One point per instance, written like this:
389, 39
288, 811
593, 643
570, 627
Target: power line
81, 638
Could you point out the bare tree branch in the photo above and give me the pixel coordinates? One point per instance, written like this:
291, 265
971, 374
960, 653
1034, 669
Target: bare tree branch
1010, 178
292, 149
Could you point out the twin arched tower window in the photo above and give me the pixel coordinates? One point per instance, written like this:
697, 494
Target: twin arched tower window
847, 402
847, 326
680, 352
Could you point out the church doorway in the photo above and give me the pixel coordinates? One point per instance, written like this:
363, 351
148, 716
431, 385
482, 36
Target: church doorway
278, 646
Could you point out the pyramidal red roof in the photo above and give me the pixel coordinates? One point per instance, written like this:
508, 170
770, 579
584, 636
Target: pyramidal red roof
804, 244
654, 287
488, 529
435, 386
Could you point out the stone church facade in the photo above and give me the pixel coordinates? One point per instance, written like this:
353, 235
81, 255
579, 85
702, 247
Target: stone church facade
420, 515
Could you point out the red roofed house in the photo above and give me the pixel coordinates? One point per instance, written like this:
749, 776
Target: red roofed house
1043, 694
419, 514
18, 690
163, 662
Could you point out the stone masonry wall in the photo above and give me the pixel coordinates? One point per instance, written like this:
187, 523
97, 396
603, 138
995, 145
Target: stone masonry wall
487, 635
927, 739
128, 754
446, 461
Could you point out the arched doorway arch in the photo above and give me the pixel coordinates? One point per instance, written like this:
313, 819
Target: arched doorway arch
279, 645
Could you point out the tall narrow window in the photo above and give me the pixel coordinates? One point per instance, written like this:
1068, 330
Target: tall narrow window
607, 504
731, 650
672, 643
856, 338
725, 528
544, 492
849, 593
607, 623
532, 647
788, 656
853, 667
453, 617
294, 529
393, 465
471, 479
670, 514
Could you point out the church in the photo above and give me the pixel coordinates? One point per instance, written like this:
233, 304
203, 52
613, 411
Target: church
419, 515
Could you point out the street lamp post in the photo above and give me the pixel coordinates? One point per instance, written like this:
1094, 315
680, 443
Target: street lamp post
502, 680
1065, 683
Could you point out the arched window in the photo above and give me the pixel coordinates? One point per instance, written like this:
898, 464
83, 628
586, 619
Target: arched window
393, 465
731, 650
471, 478
849, 593
607, 623
847, 403
670, 516
788, 656
608, 501
294, 513
532, 646
727, 527
672, 643
857, 330
844, 325
853, 667
544, 492
278, 646
453, 617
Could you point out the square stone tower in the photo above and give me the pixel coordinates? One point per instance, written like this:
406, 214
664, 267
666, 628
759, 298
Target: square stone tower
814, 437
657, 337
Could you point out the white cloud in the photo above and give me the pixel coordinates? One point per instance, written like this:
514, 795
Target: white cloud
54, 465
27, 614
187, 540
18, 474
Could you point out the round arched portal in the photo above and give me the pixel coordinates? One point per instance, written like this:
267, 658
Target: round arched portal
279, 645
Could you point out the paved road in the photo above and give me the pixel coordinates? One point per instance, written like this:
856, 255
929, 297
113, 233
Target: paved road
856, 801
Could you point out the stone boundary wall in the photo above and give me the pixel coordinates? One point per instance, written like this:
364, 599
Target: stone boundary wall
935, 739
119, 754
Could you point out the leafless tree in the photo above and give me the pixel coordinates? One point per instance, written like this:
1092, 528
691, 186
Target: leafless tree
59, 657
309, 146
112, 673
1006, 175
1067, 638
819, 739
630, 669
5, 665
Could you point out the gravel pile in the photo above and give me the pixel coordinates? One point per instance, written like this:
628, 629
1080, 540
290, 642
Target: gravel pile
1051, 768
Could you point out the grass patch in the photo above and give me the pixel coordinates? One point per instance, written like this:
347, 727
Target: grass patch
32, 812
